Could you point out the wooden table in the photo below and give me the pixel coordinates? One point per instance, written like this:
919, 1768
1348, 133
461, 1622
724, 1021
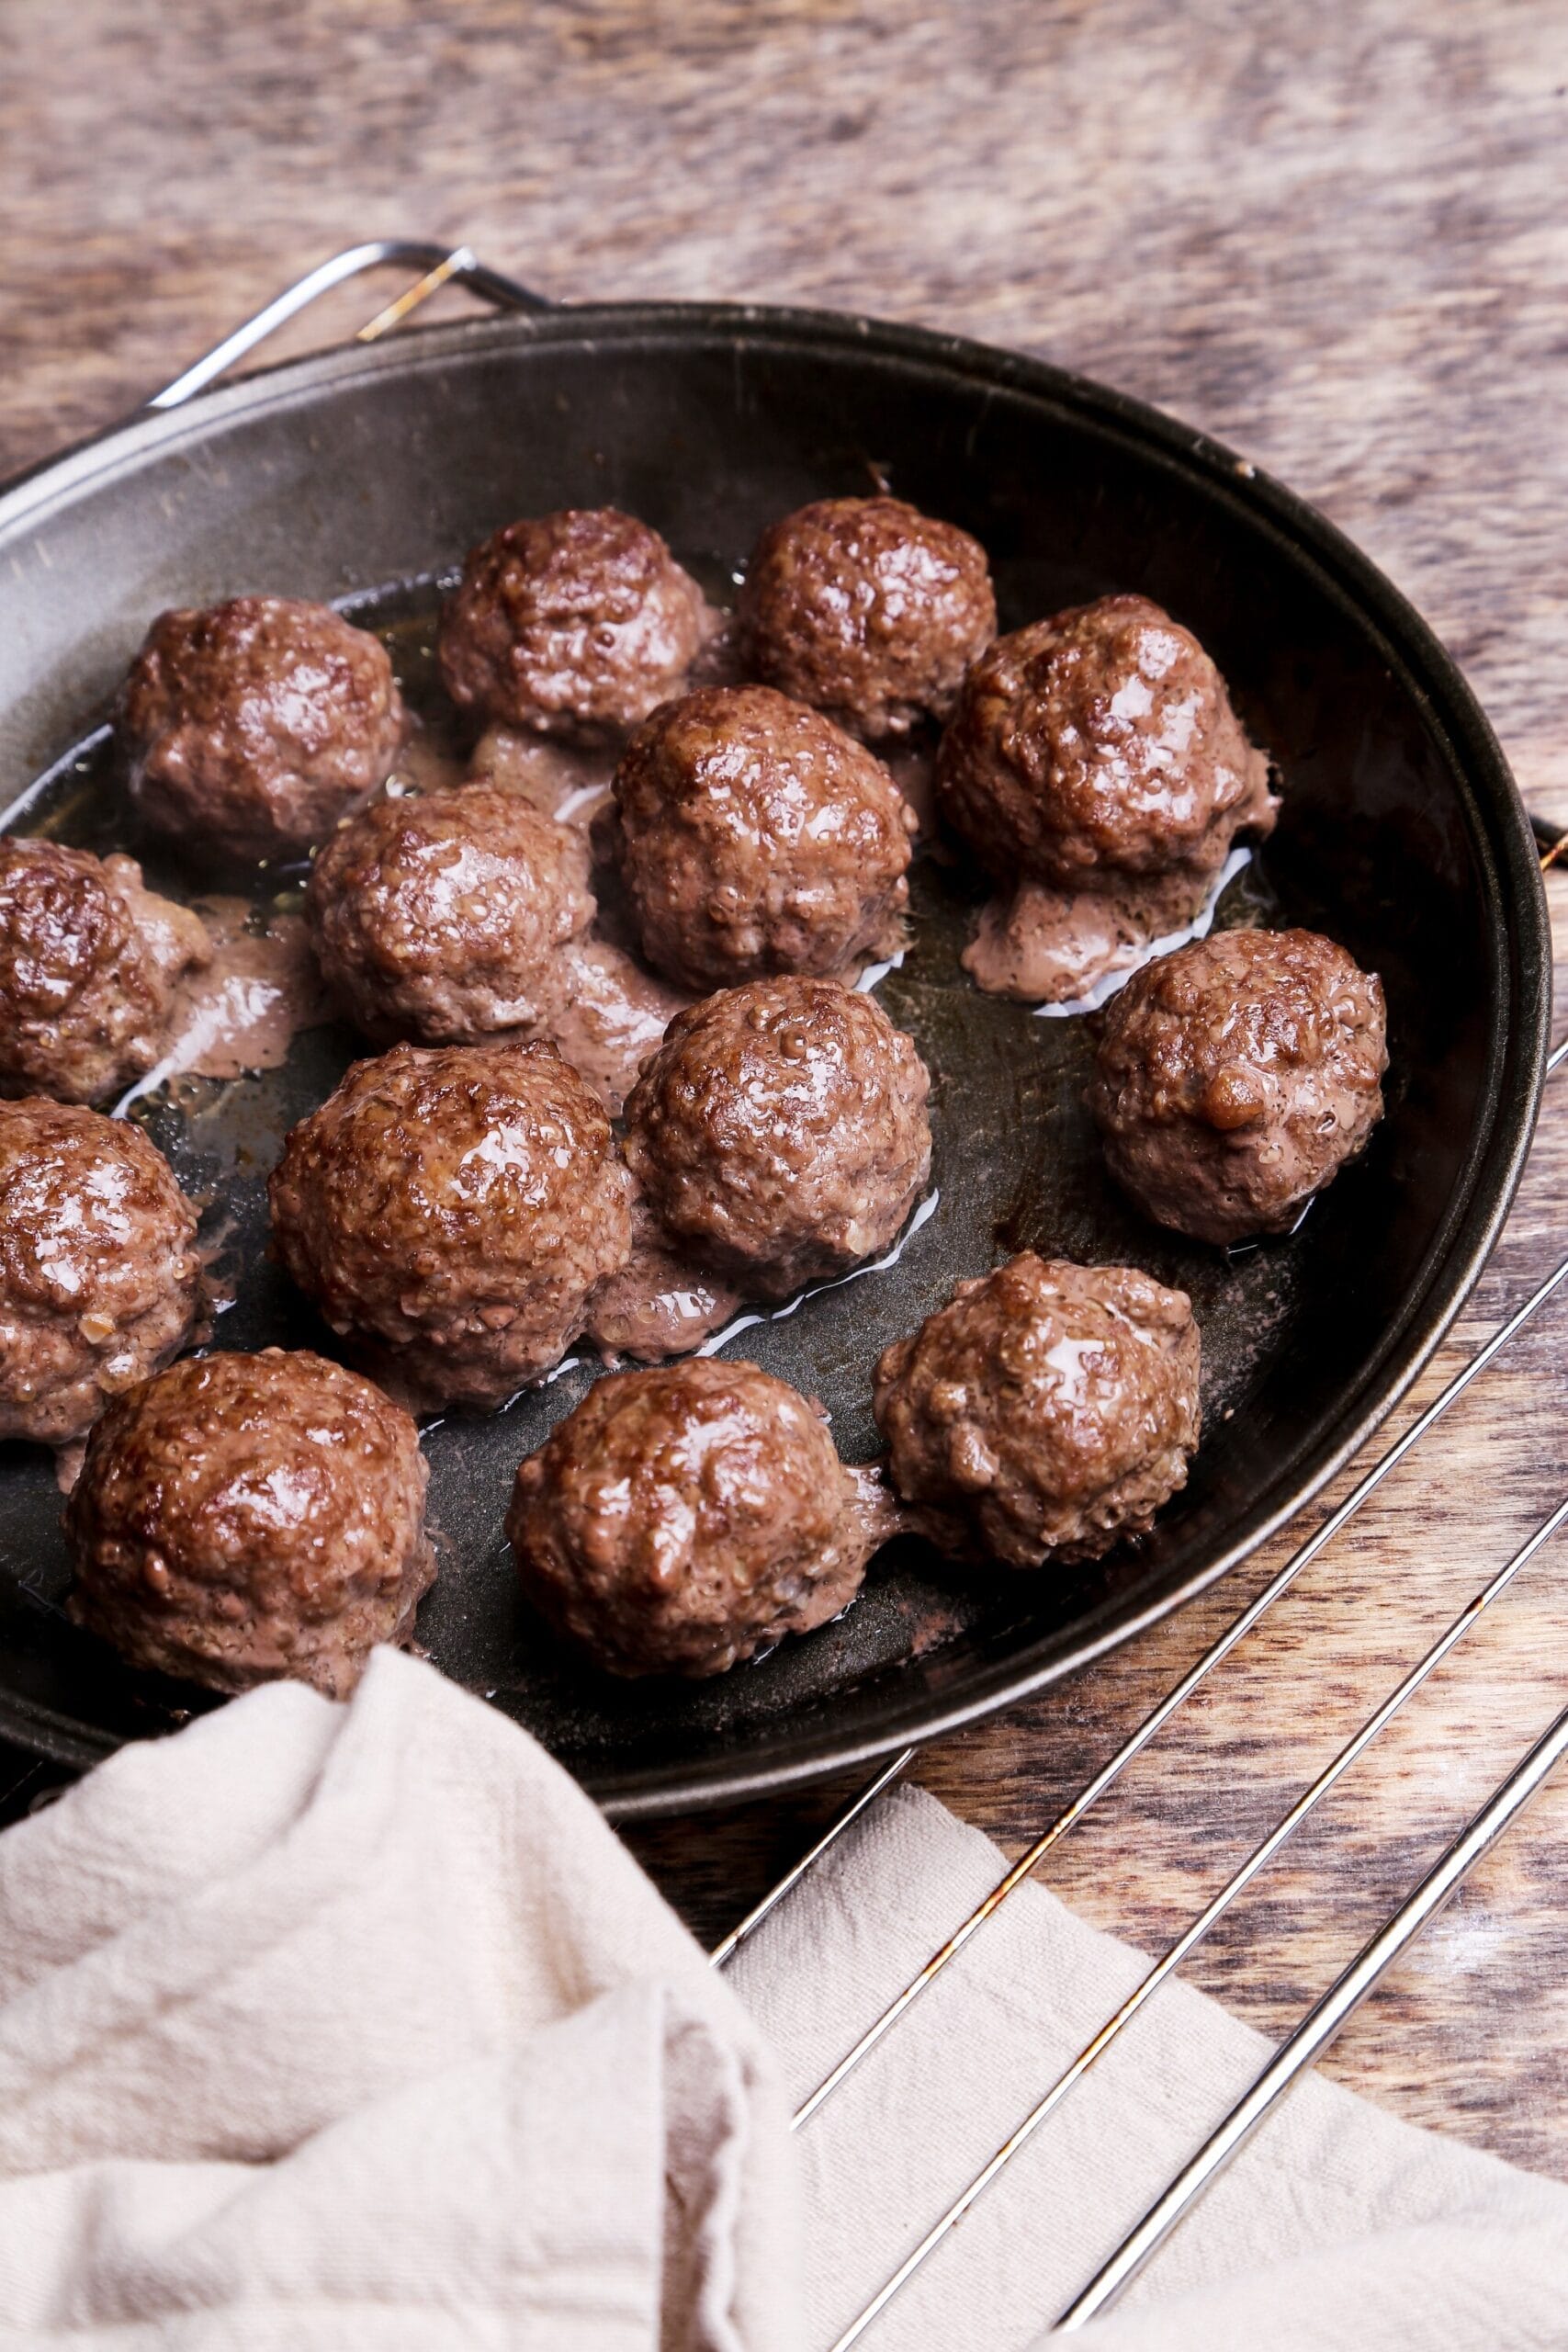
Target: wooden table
1333, 239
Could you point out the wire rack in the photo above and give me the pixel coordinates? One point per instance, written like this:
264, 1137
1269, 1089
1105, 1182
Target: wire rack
1302, 2048
1317, 2029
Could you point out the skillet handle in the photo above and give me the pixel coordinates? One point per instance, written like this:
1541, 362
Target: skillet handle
441, 265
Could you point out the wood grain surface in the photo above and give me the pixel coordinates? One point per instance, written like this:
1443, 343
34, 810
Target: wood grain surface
1336, 238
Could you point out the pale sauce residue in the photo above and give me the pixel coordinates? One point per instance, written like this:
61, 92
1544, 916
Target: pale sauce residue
560, 780
881, 1513
912, 767
745, 1322
242, 1012
615, 1015
1068, 952
68, 1461
426, 764
660, 1304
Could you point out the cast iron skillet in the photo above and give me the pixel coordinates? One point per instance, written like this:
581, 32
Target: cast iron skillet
364, 474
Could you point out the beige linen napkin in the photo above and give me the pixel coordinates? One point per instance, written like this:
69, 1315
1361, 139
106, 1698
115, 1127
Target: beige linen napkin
356, 2027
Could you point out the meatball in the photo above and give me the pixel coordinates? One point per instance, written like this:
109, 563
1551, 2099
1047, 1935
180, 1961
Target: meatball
99, 1279
1098, 745
868, 608
89, 961
572, 623
1054, 1405
753, 836
682, 1519
242, 1517
439, 918
450, 1212
1233, 1078
779, 1132
249, 729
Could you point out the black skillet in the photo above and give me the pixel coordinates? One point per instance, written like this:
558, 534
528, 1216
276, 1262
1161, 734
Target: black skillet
362, 475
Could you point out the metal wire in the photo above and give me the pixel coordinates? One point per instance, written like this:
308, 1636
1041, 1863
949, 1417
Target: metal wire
731, 1943
1153, 1722
1552, 841
437, 262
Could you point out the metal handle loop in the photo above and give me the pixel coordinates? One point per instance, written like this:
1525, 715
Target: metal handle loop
1553, 843
441, 265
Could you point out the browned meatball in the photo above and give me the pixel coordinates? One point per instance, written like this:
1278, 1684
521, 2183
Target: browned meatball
242, 1517
682, 1519
571, 624
780, 1131
1098, 744
753, 836
1234, 1079
1054, 1405
438, 918
248, 729
868, 608
451, 1211
99, 1279
89, 961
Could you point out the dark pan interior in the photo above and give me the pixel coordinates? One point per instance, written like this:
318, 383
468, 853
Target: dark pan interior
1400, 836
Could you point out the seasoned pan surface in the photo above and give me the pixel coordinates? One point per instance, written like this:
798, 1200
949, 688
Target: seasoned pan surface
363, 478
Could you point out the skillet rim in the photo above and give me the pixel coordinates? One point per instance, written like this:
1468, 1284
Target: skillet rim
1515, 916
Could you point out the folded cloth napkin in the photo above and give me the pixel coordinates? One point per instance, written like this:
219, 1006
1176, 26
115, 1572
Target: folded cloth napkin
355, 2026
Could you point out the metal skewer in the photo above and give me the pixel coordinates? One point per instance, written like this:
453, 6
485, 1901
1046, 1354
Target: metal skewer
732, 1942
1193, 1935
1319, 2026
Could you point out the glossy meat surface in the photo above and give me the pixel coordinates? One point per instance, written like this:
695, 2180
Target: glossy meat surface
248, 729
449, 1211
1052, 1405
779, 1132
1097, 744
99, 1279
1234, 1079
240, 1517
89, 963
571, 624
438, 918
753, 836
869, 609
680, 1520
